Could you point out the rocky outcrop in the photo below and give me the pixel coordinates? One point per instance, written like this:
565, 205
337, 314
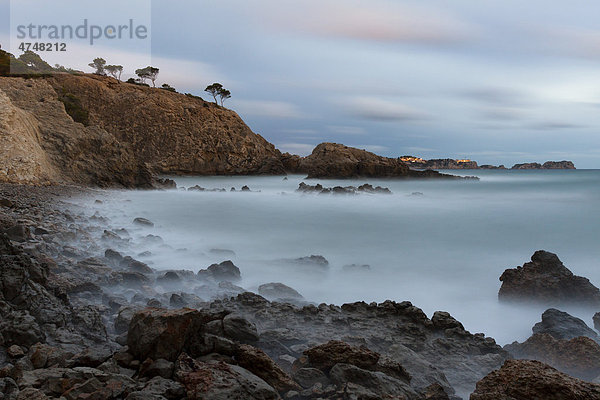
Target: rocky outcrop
172, 132
562, 325
547, 281
578, 357
336, 161
319, 189
448, 163
41, 144
124, 134
546, 165
532, 380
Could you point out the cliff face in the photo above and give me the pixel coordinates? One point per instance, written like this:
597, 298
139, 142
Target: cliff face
41, 144
336, 161
172, 132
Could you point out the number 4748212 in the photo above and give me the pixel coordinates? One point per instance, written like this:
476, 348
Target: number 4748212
42, 46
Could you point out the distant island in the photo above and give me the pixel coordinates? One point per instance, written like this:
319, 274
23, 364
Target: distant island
448, 163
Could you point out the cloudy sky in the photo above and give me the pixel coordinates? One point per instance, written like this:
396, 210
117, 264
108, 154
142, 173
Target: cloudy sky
497, 81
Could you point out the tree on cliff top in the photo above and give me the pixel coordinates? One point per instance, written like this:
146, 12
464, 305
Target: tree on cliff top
214, 90
148, 73
99, 64
224, 95
114, 70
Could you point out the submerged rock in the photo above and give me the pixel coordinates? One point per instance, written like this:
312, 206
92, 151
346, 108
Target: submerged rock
143, 222
319, 189
532, 380
546, 280
277, 290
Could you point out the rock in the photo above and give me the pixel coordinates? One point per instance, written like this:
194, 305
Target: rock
435, 391
355, 268
316, 261
225, 271
9, 388
245, 188
124, 318
325, 356
4, 202
164, 388
218, 380
238, 328
579, 357
177, 301
259, 363
318, 188
561, 325
143, 222
527, 166
165, 184
113, 255
155, 333
160, 367
373, 383
15, 351
308, 377
547, 281
336, 161
31, 394
274, 291
596, 320
18, 233
532, 380
558, 165
170, 278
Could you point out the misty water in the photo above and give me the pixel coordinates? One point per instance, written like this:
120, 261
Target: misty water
442, 250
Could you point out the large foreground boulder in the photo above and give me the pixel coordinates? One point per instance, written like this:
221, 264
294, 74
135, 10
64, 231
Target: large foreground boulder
532, 380
546, 280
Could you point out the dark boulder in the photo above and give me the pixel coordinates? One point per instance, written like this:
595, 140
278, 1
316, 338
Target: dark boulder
561, 325
532, 380
225, 271
275, 290
143, 222
578, 357
546, 280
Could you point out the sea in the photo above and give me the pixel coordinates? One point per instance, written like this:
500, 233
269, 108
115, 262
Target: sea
440, 244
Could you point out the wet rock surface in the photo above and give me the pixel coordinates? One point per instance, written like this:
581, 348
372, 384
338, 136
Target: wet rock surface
532, 380
319, 189
547, 281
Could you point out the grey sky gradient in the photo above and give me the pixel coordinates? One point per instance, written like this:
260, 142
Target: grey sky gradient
496, 81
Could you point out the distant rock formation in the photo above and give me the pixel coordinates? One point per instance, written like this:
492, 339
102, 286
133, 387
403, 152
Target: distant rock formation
546, 165
438, 163
547, 281
365, 188
336, 161
524, 379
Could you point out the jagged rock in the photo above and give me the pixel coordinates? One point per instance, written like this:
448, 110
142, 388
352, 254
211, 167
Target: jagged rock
558, 165
532, 380
160, 388
274, 291
15, 351
155, 333
220, 381
18, 233
225, 271
124, 318
160, 367
375, 383
546, 280
143, 222
318, 188
239, 328
325, 356
561, 325
579, 357
113, 255
596, 320
259, 363
308, 377
169, 278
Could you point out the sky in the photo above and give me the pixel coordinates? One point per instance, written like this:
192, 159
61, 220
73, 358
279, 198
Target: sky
499, 82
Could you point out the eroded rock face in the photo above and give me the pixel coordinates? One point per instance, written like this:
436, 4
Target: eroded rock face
336, 161
578, 357
547, 281
532, 380
562, 325
173, 132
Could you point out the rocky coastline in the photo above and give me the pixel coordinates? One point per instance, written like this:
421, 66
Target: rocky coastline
83, 320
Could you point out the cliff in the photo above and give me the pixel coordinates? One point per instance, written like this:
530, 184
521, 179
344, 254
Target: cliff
123, 133
172, 132
41, 144
336, 161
